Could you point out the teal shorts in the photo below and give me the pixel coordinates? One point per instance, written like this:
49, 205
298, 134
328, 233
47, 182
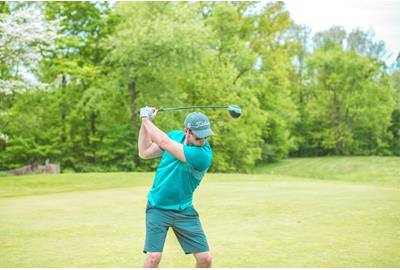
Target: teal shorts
185, 224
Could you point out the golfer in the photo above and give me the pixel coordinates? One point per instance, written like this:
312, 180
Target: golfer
186, 157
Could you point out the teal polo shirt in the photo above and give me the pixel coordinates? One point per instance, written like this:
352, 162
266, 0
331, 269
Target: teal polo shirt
175, 181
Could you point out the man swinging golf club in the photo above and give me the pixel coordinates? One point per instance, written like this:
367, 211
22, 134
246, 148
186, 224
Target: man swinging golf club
186, 157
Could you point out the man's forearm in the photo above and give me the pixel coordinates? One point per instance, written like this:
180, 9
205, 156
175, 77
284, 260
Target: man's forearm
144, 141
163, 141
156, 135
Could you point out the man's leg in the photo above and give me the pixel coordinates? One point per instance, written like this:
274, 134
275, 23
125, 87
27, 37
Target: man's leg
191, 236
152, 259
203, 259
157, 224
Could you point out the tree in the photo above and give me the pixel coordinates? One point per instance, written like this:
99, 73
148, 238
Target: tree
271, 41
301, 50
155, 52
363, 43
76, 67
351, 103
26, 37
151, 55
228, 76
394, 128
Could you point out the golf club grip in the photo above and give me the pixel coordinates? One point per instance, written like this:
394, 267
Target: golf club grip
191, 107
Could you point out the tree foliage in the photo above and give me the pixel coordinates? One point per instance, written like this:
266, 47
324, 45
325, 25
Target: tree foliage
326, 94
348, 98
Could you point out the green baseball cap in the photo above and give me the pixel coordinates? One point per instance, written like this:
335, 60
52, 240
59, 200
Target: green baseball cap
198, 123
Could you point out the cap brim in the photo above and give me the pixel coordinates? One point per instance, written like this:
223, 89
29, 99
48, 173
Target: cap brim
203, 133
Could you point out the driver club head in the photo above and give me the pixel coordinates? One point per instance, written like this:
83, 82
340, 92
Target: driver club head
234, 111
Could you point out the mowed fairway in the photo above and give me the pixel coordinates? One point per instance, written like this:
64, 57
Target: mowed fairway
270, 220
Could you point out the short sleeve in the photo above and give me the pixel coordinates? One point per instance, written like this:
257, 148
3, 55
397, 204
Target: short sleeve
198, 157
172, 134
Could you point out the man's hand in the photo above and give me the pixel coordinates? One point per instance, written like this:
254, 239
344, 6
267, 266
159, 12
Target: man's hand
146, 147
148, 112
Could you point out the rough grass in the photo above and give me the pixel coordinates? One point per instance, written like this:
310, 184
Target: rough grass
372, 170
97, 220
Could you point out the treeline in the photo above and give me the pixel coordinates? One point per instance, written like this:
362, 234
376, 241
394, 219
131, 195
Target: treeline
74, 74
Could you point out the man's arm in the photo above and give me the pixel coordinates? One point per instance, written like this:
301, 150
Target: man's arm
147, 148
161, 139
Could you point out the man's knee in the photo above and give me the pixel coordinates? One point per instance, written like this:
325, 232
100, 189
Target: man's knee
153, 259
204, 259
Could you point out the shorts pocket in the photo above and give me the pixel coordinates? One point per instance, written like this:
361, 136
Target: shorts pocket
190, 211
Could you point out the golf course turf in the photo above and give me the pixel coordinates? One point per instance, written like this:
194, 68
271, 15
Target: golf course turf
289, 216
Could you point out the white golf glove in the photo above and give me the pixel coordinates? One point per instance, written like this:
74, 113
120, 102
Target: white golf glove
146, 112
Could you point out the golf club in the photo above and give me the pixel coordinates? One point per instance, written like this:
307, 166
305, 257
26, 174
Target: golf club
234, 110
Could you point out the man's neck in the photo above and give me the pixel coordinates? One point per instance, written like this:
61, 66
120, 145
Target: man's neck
186, 142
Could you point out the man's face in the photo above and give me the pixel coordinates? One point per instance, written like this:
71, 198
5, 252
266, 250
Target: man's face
191, 138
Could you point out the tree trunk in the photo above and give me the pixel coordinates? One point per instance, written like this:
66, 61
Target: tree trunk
133, 94
63, 109
338, 132
93, 131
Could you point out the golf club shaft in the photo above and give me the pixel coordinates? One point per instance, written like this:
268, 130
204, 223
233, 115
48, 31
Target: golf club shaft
191, 107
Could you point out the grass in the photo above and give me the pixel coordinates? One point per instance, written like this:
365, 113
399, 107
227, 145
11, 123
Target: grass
15, 186
372, 170
261, 220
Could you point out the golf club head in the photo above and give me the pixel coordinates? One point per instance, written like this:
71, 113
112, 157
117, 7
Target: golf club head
234, 111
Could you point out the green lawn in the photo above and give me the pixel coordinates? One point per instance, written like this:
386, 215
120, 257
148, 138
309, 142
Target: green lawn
284, 219
372, 170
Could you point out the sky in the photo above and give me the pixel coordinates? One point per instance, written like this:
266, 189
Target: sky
381, 16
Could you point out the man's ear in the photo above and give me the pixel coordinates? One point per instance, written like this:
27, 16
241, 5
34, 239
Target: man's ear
186, 131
